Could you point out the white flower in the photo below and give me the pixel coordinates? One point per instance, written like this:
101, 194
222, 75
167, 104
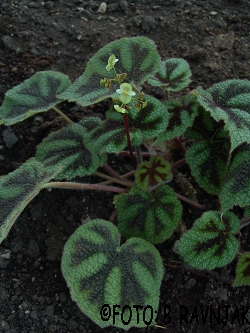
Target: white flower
125, 93
111, 62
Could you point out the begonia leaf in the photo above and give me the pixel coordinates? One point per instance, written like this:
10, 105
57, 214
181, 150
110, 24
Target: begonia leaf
211, 242
99, 270
34, 95
151, 215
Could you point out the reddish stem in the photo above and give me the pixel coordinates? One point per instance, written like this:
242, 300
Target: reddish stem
126, 126
179, 144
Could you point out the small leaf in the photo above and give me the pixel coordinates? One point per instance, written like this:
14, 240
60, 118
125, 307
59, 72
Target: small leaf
153, 216
36, 94
242, 277
211, 243
99, 271
110, 136
138, 58
236, 188
209, 157
17, 189
154, 172
229, 101
182, 114
66, 151
174, 74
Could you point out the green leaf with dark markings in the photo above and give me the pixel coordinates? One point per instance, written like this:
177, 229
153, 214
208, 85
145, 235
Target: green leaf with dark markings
150, 215
154, 172
36, 94
209, 157
242, 277
17, 189
66, 151
182, 114
211, 242
99, 270
229, 101
138, 58
110, 135
174, 74
236, 188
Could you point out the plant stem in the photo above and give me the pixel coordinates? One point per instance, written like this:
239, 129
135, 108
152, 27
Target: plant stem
114, 180
138, 154
62, 114
179, 163
129, 142
126, 153
191, 202
180, 145
81, 186
112, 172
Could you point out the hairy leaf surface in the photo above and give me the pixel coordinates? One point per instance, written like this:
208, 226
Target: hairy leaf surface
17, 189
65, 150
229, 101
174, 74
236, 188
99, 271
243, 271
36, 94
209, 157
138, 58
153, 172
181, 116
151, 215
211, 242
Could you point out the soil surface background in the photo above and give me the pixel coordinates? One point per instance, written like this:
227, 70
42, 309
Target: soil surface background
62, 35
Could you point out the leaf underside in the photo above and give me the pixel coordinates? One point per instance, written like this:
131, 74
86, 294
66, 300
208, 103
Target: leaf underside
151, 215
100, 271
36, 94
211, 243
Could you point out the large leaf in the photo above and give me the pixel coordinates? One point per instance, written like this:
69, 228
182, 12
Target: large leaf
243, 271
230, 101
211, 242
236, 188
110, 136
34, 95
209, 157
182, 114
153, 216
99, 271
65, 150
17, 189
174, 74
137, 56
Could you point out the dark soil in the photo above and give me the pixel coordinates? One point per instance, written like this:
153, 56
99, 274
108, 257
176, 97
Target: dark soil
62, 35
